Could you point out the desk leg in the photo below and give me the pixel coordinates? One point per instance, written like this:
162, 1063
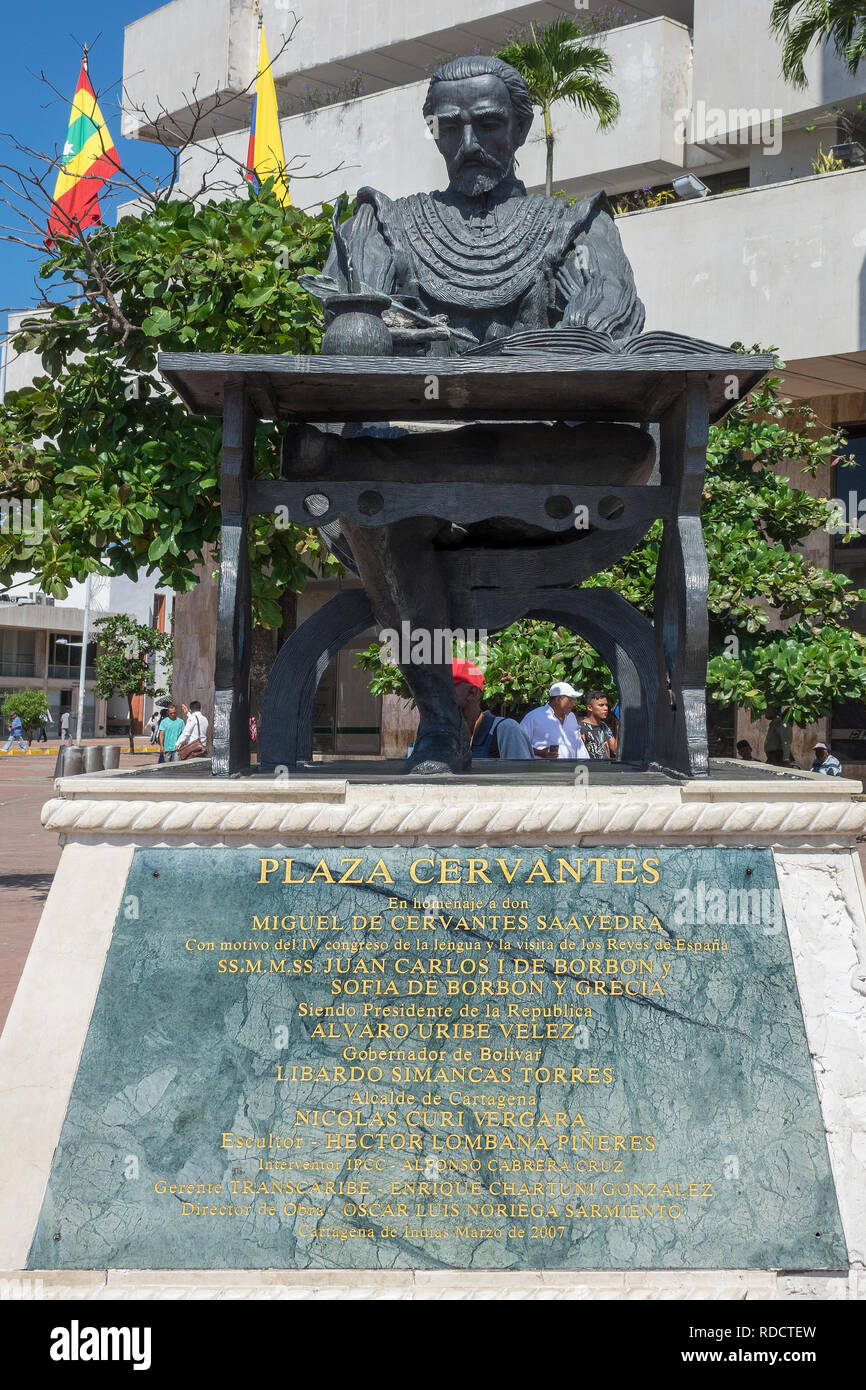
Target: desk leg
680, 601
231, 735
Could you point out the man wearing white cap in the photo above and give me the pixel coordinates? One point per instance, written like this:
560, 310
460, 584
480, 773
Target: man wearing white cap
552, 729
825, 762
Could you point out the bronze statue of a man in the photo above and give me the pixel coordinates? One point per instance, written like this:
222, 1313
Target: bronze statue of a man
484, 253
463, 268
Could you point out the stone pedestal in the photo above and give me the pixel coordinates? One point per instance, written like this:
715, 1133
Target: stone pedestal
71, 1019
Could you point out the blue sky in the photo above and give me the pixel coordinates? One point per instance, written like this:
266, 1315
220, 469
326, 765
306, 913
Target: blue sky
38, 38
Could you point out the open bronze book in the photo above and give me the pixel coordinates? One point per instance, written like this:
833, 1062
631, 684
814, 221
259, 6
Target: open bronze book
567, 341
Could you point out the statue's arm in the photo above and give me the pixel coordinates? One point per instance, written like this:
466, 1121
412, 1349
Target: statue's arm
368, 252
595, 283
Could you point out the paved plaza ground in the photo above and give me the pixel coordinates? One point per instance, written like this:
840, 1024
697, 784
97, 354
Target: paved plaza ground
28, 855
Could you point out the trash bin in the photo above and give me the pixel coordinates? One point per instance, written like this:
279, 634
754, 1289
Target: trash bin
93, 758
73, 762
111, 756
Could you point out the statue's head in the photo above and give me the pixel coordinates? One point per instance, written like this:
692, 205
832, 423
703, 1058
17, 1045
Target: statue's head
479, 110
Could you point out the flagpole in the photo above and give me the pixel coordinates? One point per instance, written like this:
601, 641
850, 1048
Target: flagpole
82, 670
80, 300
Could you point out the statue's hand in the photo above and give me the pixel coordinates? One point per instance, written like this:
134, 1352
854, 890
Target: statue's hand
580, 310
572, 278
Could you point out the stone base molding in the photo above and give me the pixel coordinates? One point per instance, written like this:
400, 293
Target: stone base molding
811, 823
767, 812
730, 1285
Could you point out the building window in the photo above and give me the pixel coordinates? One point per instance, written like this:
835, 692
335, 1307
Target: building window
17, 652
64, 657
849, 488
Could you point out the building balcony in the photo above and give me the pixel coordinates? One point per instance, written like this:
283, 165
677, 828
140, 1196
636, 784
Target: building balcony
783, 265
17, 668
738, 66
383, 140
204, 53
70, 673
339, 47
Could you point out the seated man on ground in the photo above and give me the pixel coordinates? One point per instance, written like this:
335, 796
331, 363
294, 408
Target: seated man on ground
826, 762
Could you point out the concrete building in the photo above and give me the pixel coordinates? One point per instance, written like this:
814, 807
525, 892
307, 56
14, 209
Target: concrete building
40, 637
773, 254
40, 648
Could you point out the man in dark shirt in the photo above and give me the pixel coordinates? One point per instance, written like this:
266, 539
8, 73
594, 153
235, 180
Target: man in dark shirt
594, 729
490, 735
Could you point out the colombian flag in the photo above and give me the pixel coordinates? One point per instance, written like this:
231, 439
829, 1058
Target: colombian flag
89, 158
265, 158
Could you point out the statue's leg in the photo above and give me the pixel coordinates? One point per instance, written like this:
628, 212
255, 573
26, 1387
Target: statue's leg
680, 600
400, 572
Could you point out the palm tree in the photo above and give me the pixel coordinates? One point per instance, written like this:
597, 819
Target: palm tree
558, 66
800, 23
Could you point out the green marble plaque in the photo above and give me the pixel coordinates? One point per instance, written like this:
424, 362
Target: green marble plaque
445, 1059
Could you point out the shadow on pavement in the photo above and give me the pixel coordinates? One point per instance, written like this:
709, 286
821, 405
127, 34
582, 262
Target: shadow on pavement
36, 884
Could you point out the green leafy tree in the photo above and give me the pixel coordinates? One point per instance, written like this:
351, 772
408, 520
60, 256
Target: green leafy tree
801, 23
779, 639
559, 65
128, 477
127, 661
29, 705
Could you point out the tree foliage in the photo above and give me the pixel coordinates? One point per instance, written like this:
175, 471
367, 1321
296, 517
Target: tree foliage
779, 640
558, 64
127, 660
801, 23
29, 705
128, 477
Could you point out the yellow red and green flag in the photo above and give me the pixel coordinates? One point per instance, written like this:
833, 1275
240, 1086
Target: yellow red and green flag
265, 158
88, 159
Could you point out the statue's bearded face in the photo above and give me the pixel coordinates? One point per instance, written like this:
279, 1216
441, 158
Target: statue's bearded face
475, 129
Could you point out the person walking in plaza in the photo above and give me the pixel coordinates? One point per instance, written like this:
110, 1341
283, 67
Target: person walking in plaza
825, 762
16, 734
154, 725
594, 729
44, 720
65, 735
170, 730
552, 728
194, 735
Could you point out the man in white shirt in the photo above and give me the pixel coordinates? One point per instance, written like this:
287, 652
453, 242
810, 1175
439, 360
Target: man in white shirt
552, 729
196, 725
